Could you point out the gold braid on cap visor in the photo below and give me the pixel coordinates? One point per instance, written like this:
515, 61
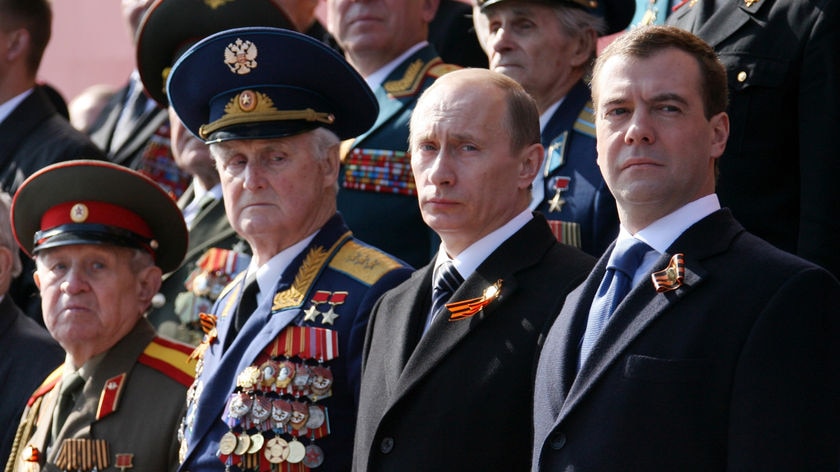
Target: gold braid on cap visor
255, 107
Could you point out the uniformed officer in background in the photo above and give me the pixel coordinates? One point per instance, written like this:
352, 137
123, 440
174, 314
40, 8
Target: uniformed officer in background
101, 235
278, 379
548, 46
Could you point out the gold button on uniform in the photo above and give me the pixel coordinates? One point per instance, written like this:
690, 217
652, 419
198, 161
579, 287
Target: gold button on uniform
742, 76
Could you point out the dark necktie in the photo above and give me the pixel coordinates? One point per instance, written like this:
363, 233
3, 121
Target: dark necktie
247, 303
446, 280
71, 387
615, 285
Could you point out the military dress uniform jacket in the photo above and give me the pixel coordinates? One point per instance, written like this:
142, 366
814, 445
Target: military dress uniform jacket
459, 397
735, 369
579, 206
146, 148
21, 371
779, 172
378, 197
33, 136
210, 229
134, 401
333, 263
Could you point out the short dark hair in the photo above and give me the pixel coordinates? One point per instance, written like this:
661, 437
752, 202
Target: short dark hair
649, 40
35, 16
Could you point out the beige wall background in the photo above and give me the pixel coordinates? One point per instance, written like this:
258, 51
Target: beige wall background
90, 45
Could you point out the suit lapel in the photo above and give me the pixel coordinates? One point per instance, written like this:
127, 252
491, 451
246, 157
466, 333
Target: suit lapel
643, 305
522, 250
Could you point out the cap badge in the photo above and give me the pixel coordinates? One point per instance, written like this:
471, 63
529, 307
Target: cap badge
79, 213
216, 3
240, 56
247, 101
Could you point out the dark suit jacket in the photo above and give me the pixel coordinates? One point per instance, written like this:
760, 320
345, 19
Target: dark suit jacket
368, 200
210, 229
27, 355
737, 369
452, 34
459, 398
34, 136
130, 152
779, 173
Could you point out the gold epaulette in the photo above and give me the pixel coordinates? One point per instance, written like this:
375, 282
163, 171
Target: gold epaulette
363, 263
412, 81
585, 122
170, 358
47, 385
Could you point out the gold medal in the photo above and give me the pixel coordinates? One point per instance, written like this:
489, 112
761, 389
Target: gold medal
227, 444
242, 444
297, 451
276, 450
257, 441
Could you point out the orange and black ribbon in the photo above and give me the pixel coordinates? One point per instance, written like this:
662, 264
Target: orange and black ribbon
671, 277
468, 308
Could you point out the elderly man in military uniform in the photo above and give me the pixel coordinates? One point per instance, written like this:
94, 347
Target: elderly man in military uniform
278, 377
101, 236
215, 253
387, 43
548, 46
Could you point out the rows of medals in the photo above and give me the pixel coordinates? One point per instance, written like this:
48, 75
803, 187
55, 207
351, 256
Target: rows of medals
274, 406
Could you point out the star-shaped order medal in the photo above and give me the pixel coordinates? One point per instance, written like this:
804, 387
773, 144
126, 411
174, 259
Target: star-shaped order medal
337, 298
321, 296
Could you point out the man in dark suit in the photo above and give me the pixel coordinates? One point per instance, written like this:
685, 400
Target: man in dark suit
549, 47
724, 354
215, 253
779, 172
449, 388
285, 337
20, 338
387, 43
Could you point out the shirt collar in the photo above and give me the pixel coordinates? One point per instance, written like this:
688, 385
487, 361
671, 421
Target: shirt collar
470, 258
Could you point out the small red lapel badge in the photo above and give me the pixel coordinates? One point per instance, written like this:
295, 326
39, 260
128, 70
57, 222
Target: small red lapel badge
468, 308
672, 276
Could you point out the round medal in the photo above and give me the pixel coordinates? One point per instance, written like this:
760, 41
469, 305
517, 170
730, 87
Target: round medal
316, 417
300, 414
257, 441
297, 451
314, 456
227, 444
276, 450
242, 444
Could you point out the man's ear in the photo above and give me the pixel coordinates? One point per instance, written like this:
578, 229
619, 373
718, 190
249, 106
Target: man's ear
149, 280
18, 43
532, 158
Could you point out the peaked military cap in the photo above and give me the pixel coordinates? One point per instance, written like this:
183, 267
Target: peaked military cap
96, 202
267, 83
616, 13
170, 27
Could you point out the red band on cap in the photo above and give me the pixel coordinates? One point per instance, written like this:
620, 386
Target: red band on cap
91, 212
